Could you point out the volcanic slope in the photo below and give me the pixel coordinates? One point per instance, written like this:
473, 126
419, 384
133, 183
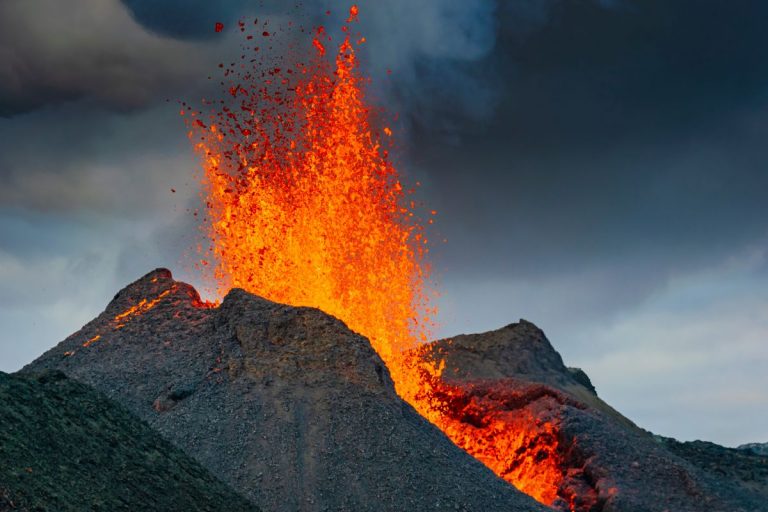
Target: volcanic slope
285, 404
514, 377
65, 447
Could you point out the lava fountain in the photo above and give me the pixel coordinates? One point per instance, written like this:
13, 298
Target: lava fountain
305, 207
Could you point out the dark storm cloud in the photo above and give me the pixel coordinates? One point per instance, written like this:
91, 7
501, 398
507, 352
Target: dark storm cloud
578, 73
53, 52
626, 133
424, 44
125, 55
649, 66
194, 19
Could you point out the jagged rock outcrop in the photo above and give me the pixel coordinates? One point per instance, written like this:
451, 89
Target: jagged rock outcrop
65, 447
285, 404
519, 351
607, 464
756, 448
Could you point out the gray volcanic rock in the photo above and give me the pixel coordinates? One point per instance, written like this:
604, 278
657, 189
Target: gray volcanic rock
608, 464
757, 448
519, 351
65, 447
738, 467
285, 404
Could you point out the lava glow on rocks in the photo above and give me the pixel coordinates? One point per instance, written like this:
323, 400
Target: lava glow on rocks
305, 207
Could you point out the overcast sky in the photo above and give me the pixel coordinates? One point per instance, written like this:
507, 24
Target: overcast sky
599, 168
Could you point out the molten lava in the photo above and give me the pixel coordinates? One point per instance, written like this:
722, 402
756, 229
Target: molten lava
305, 207
491, 422
139, 308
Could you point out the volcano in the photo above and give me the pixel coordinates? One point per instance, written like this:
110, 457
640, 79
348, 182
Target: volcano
285, 404
297, 412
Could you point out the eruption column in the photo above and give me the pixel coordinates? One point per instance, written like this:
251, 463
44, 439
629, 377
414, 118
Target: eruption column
305, 207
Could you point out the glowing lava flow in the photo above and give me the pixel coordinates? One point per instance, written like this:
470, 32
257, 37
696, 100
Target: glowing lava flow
490, 421
304, 207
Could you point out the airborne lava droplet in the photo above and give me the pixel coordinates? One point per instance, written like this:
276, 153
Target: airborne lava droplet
353, 12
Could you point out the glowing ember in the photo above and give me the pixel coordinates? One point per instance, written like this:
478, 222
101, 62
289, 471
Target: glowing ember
92, 340
304, 207
141, 307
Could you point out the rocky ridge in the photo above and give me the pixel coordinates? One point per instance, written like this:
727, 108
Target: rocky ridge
608, 464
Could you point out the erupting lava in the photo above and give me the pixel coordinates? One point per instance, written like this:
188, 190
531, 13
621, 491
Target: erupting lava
304, 207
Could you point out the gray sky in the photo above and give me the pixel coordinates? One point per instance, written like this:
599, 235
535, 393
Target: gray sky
599, 168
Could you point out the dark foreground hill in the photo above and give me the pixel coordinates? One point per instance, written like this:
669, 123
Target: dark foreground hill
65, 447
605, 463
285, 404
